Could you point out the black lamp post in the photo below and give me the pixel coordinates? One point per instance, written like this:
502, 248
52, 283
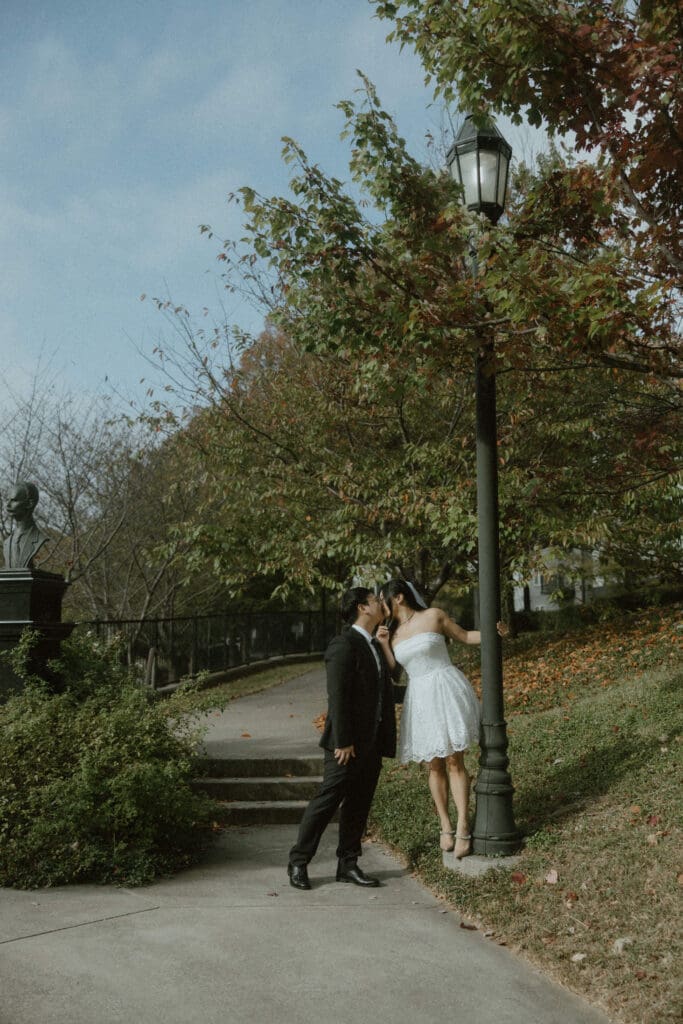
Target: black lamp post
479, 160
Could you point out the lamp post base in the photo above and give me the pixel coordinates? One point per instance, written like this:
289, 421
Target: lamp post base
494, 833
496, 846
475, 866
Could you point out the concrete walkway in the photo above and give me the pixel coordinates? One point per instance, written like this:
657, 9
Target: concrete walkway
231, 941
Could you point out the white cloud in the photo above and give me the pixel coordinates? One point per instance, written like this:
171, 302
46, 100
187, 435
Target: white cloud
243, 105
161, 72
54, 80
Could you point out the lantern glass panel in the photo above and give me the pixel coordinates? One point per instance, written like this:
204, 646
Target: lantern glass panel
489, 175
470, 178
502, 179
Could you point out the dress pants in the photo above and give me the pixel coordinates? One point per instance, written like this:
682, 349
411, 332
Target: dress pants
353, 786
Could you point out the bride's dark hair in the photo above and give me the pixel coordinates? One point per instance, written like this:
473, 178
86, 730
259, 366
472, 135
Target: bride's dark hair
389, 591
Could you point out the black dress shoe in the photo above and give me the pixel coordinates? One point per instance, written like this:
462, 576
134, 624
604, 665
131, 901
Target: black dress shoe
352, 873
298, 876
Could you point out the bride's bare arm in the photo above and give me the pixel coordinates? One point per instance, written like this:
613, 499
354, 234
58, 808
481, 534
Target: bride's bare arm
452, 630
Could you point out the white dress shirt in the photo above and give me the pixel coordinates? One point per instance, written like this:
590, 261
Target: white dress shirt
364, 633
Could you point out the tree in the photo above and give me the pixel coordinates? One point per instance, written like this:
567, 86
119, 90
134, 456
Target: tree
612, 80
379, 319
325, 466
76, 455
110, 496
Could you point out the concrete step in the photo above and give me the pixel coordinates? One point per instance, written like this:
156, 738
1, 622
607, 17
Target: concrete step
260, 791
260, 767
260, 812
271, 790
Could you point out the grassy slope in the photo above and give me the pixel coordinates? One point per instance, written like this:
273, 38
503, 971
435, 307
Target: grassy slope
594, 726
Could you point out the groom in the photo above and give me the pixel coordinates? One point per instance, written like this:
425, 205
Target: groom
360, 730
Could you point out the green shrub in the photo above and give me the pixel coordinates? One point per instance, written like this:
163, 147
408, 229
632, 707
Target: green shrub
560, 620
604, 609
95, 781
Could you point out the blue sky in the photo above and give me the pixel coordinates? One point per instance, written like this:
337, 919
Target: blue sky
123, 127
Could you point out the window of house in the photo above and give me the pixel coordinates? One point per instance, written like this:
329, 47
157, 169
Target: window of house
551, 584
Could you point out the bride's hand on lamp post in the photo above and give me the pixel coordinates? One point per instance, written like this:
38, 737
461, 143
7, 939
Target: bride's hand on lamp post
503, 629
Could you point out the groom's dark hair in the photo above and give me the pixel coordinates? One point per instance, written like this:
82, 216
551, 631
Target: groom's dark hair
350, 601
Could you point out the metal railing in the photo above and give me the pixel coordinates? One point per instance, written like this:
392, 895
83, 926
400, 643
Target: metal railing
167, 650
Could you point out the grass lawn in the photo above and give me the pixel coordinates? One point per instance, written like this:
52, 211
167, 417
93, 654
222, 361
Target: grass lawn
594, 721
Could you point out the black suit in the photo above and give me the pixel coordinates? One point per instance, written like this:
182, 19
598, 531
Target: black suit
360, 712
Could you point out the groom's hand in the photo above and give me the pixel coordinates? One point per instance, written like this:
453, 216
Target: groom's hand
343, 755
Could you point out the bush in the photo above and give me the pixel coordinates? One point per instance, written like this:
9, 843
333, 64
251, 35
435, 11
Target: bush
561, 620
95, 781
603, 609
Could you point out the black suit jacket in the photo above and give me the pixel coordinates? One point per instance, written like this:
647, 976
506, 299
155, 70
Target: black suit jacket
360, 704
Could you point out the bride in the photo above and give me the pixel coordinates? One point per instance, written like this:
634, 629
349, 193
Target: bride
441, 712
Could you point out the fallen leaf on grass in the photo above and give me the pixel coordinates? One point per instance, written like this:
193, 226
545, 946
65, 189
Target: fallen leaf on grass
680, 878
552, 877
640, 975
576, 958
654, 819
518, 877
619, 945
652, 840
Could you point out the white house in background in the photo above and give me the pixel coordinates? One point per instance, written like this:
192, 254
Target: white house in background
571, 580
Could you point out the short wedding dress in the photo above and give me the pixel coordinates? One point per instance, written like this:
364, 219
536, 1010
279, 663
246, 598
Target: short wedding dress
441, 712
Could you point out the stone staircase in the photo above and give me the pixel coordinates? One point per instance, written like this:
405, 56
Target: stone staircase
260, 791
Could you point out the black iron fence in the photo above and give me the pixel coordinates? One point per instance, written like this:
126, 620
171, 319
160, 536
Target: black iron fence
167, 650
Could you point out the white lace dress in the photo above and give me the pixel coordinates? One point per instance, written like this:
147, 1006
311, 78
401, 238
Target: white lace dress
441, 712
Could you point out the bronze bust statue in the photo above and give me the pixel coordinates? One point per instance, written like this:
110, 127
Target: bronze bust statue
26, 537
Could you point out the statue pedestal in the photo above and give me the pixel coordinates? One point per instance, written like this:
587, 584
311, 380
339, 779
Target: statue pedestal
31, 599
